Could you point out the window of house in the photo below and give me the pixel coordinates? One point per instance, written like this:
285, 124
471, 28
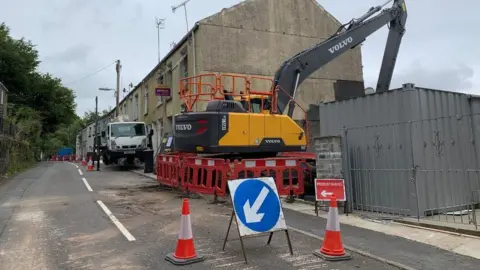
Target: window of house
160, 80
169, 75
184, 66
137, 108
130, 109
1, 97
160, 130
169, 79
145, 100
89, 131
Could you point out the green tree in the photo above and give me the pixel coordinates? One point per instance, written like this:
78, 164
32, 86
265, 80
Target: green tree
90, 116
29, 88
18, 63
43, 109
28, 123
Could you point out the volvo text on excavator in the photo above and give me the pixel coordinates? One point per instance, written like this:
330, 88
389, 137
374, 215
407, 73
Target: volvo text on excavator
253, 121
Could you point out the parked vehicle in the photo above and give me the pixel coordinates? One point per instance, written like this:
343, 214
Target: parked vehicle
123, 141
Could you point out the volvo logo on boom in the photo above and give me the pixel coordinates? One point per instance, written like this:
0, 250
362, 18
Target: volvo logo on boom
183, 127
341, 44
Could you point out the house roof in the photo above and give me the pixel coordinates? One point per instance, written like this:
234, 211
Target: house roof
239, 5
164, 59
328, 13
3, 87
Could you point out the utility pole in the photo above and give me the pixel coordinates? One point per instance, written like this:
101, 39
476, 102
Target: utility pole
97, 137
118, 67
160, 25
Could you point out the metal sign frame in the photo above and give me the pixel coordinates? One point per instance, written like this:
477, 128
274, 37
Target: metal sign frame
269, 181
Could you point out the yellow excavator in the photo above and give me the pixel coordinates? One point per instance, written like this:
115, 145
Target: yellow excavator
251, 122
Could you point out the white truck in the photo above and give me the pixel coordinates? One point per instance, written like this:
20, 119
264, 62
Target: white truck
123, 141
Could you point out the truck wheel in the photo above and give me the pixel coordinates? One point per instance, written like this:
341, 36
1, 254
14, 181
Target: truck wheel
130, 160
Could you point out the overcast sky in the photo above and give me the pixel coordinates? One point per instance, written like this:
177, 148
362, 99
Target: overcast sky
75, 38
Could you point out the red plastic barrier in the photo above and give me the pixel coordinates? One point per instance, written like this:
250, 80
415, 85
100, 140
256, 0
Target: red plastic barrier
205, 175
287, 173
168, 168
210, 175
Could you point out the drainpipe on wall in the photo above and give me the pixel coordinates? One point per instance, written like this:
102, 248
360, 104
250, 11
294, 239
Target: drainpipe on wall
194, 54
194, 58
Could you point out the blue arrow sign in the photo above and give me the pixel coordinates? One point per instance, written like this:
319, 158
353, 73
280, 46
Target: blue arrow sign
257, 205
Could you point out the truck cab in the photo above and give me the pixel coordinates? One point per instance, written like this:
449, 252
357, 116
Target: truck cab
124, 141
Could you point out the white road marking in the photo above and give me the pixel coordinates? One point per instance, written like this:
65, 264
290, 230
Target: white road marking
86, 184
80, 172
76, 166
117, 223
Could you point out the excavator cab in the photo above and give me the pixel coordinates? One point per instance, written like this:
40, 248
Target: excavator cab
238, 120
260, 104
254, 103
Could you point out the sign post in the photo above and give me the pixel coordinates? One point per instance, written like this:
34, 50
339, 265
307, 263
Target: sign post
257, 209
325, 188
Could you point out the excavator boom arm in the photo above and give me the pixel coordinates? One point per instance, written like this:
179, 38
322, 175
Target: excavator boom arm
296, 69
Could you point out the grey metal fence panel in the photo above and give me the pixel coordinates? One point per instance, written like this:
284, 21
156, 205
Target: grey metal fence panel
443, 154
412, 152
381, 168
474, 173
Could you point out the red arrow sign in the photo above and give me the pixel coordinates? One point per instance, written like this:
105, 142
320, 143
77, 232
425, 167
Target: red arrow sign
325, 188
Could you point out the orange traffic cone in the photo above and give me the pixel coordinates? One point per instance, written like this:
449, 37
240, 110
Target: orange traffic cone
332, 248
185, 251
84, 162
90, 164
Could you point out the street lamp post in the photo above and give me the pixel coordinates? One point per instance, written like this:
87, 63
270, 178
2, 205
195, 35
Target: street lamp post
116, 95
96, 138
106, 89
118, 68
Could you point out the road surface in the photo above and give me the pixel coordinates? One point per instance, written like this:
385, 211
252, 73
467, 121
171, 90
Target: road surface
55, 216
